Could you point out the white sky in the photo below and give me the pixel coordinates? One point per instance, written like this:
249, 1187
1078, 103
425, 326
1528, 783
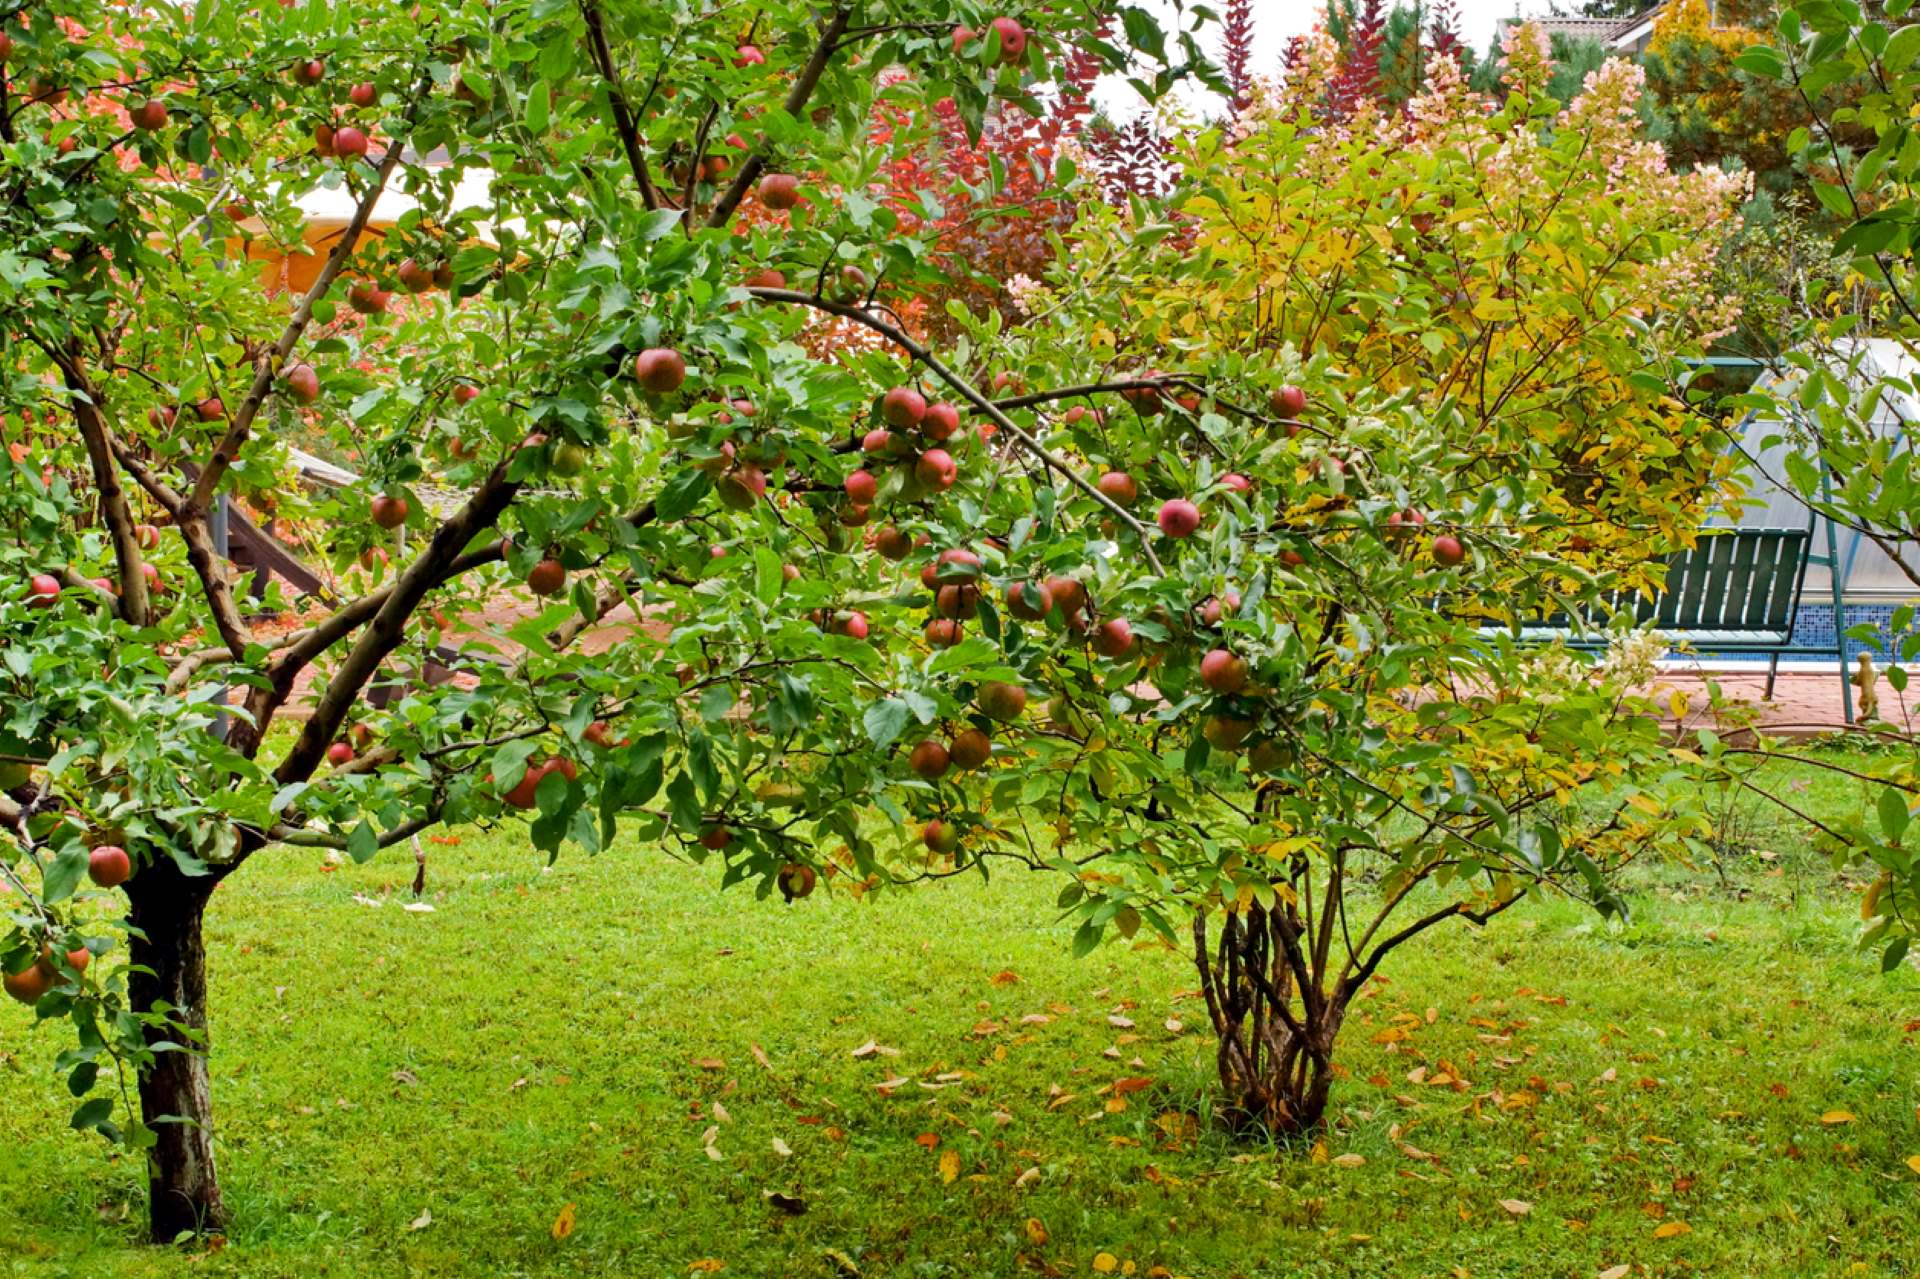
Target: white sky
1277, 21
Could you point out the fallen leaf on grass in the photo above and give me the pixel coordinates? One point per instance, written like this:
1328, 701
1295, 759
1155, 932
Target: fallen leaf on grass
1837, 1117
869, 1048
842, 1263
950, 1167
720, 1115
1036, 1232
1105, 1263
788, 1204
1174, 1025
1615, 1272
709, 1063
760, 1055
1668, 1229
1131, 1084
563, 1224
1027, 1178
1518, 1207
1005, 977
782, 1149
1349, 1160
886, 1086
1913, 1162
927, 1140
706, 1266
1118, 1022
421, 1222
418, 908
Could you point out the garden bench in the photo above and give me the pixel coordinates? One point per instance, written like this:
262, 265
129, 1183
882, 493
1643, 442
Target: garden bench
1736, 591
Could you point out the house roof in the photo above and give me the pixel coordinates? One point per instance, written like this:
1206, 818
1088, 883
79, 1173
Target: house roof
1608, 31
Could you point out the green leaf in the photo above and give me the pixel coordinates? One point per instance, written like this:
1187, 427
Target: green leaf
1763, 61
1894, 815
657, 223
1085, 938
363, 843
1895, 952
539, 106
682, 494
91, 1114
885, 720
1833, 198
63, 874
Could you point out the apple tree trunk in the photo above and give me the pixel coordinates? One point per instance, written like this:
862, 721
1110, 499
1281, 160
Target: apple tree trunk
176, 1100
1276, 1040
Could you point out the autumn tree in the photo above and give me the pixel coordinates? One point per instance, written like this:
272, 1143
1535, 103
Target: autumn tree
610, 355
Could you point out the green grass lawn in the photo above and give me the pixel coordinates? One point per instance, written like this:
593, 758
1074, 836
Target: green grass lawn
426, 1094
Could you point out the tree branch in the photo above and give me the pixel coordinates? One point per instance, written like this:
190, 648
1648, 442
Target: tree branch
623, 118
898, 336
802, 90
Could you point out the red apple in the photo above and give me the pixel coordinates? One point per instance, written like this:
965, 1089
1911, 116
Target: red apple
941, 421
767, 279
210, 409
851, 623
1068, 593
796, 881
368, 298
465, 393
547, 577
1288, 401
659, 370
1214, 609
928, 760
31, 986
969, 749
1029, 601
779, 190
748, 56
309, 72
1448, 551
1013, 39
414, 277
147, 536
389, 512
304, 382
340, 753
362, 94
150, 115
903, 407
1119, 487
108, 866
862, 487
349, 142
1113, 638
1403, 523
1222, 672
44, 586
1238, 483
956, 566
937, 470
940, 837
892, 543
1178, 518
1002, 701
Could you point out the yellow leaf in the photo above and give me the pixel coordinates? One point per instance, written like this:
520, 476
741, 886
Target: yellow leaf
950, 1166
1349, 1160
1105, 1263
563, 1224
1837, 1117
1668, 1229
1677, 703
1913, 1162
1518, 1207
1036, 1232
706, 1266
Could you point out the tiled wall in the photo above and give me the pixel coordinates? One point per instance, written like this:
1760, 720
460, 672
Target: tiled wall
1813, 626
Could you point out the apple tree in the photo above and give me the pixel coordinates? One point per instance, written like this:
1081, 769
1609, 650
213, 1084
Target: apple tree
589, 285
1409, 398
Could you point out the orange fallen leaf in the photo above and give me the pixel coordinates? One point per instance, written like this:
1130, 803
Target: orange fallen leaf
1131, 1084
1036, 1232
1668, 1229
709, 1063
706, 1266
563, 1224
1005, 977
927, 1139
